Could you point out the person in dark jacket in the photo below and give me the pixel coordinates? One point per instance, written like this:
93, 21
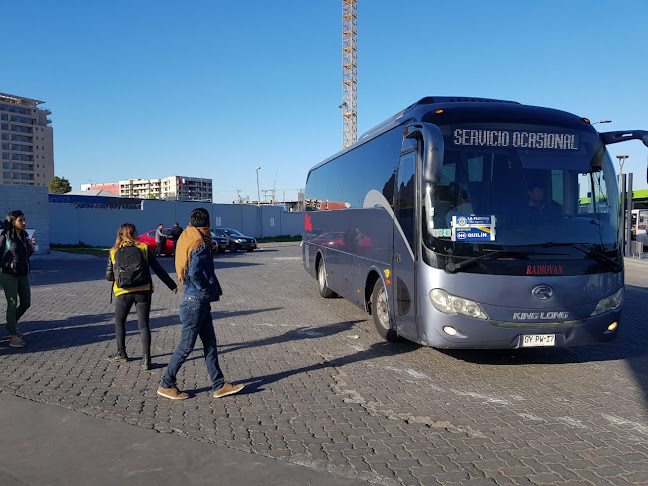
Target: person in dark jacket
195, 268
139, 295
541, 209
15, 249
176, 231
160, 240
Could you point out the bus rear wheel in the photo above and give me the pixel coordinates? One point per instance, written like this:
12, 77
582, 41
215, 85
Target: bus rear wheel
321, 282
380, 312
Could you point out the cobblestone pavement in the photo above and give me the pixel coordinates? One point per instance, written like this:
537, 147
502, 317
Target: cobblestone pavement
324, 391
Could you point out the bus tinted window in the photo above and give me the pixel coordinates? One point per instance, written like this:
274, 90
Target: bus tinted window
344, 182
405, 196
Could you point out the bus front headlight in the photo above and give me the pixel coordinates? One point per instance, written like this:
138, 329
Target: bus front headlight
611, 302
451, 304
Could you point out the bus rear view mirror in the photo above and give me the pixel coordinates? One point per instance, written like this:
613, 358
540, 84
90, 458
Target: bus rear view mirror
614, 137
433, 148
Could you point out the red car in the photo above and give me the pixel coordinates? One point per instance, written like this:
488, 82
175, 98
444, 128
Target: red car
149, 239
220, 244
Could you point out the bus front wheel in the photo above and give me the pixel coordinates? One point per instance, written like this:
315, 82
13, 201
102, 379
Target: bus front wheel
380, 312
321, 282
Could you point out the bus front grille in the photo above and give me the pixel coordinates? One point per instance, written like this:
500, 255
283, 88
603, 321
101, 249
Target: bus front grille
537, 325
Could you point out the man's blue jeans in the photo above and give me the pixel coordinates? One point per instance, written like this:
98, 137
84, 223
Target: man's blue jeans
195, 315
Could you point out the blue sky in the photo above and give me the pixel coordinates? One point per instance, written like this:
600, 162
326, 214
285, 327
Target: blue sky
143, 89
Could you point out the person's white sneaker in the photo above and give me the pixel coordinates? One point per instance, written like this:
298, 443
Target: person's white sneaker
18, 343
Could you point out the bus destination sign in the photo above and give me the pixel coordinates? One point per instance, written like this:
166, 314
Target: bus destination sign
517, 139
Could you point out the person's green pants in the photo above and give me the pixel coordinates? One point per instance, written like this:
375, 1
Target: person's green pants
15, 288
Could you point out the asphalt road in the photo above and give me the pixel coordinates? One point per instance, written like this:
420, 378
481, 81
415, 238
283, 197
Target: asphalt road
324, 393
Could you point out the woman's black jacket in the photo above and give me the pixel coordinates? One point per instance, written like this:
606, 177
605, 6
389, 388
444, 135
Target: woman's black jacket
18, 253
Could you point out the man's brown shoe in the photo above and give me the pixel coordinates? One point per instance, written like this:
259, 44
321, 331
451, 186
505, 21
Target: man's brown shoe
173, 393
227, 389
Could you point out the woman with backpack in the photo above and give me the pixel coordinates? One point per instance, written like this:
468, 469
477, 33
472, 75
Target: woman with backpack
129, 267
15, 249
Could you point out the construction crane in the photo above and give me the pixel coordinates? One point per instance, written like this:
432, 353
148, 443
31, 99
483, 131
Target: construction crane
349, 72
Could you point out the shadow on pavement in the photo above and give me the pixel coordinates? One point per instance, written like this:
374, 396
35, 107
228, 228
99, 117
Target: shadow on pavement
77, 331
53, 272
255, 384
220, 264
301, 333
635, 338
292, 335
376, 350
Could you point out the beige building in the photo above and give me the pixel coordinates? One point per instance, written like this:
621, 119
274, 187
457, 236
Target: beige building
27, 148
174, 188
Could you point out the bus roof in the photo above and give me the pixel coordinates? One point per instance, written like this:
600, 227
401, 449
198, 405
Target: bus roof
424, 109
414, 109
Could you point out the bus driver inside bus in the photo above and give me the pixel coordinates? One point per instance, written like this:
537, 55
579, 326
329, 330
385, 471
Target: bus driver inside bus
539, 208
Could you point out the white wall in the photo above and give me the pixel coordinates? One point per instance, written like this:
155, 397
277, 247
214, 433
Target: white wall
33, 201
98, 226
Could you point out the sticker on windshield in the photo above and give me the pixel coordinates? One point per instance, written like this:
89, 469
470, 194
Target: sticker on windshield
442, 232
473, 228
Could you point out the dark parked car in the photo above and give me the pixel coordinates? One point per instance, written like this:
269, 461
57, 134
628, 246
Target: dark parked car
236, 240
221, 242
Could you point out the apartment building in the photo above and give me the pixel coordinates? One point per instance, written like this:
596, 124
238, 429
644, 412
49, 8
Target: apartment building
174, 188
142, 188
27, 143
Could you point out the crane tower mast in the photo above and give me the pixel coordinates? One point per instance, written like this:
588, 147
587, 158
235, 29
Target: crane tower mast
349, 72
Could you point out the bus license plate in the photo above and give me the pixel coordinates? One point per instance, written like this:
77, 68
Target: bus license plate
535, 340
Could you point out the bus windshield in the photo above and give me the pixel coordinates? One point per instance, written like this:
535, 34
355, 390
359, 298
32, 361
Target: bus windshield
506, 185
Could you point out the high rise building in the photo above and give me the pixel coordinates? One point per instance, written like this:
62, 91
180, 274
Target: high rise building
27, 148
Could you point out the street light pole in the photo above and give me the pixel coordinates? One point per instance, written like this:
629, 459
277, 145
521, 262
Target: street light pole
624, 204
622, 158
258, 192
259, 216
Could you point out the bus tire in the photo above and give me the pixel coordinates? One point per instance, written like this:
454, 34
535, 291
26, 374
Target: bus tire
321, 282
380, 313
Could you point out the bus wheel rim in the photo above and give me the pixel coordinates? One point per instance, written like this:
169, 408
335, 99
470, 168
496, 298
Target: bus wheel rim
382, 309
322, 276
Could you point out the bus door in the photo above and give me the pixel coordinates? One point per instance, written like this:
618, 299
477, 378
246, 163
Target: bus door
403, 287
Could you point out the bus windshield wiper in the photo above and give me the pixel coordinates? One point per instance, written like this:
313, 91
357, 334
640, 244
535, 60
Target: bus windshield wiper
589, 250
454, 267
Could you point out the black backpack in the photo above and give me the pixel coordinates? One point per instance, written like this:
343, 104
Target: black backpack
131, 268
